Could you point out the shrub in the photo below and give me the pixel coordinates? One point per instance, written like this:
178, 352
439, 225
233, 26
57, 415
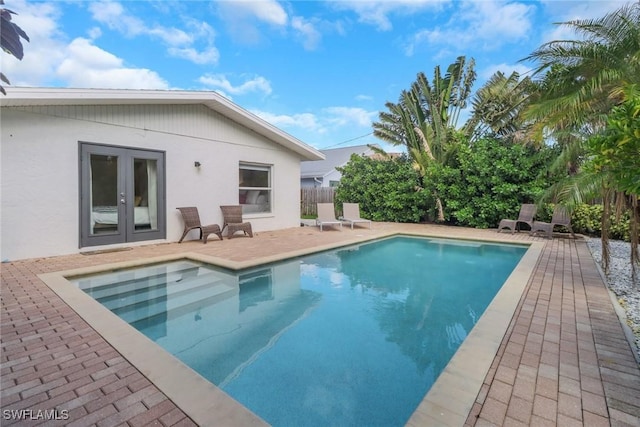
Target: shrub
488, 181
387, 190
587, 219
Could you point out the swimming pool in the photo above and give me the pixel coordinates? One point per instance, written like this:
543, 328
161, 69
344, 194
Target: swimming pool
351, 336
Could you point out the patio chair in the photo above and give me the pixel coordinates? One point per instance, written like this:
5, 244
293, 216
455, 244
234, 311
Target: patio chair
351, 214
327, 215
560, 217
233, 221
191, 220
527, 212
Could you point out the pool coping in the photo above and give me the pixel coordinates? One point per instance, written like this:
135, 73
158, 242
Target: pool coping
448, 402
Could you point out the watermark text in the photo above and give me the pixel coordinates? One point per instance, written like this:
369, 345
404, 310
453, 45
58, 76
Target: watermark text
35, 414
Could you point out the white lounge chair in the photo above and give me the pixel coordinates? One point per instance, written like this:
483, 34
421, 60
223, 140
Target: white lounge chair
351, 214
327, 215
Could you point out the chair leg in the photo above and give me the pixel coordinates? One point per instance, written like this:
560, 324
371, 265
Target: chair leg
183, 235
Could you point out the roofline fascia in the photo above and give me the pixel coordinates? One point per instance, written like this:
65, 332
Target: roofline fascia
22, 96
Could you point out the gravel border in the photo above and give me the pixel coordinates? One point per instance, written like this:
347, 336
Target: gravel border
619, 281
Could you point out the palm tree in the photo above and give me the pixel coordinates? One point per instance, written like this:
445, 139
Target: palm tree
498, 108
426, 114
585, 79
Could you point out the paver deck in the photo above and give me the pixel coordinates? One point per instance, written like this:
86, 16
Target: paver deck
564, 360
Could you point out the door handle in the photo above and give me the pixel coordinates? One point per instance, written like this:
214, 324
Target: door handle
122, 201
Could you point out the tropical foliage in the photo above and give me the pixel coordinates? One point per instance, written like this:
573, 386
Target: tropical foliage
588, 104
385, 189
498, 108
489, 180
425, 118
587, 219
616, 150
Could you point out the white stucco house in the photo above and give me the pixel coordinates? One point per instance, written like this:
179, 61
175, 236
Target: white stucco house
87, 169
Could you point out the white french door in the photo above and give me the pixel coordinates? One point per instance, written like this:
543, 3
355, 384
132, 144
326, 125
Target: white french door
121, 195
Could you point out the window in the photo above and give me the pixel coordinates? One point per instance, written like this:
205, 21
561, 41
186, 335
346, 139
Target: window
255, 188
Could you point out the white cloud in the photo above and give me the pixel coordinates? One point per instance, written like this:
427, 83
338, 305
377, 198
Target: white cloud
86, 65
376, 12
180, 42
242, 17
209, 56
43, 52
329, 127
305, 121
487, 24
350, 116
569, 11
328, 120
268, 11
364, 98
307, 31
426, 37
507, 69
220, 82
51, 60
497, 19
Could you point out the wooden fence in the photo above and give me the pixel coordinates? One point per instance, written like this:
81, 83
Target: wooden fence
310, 196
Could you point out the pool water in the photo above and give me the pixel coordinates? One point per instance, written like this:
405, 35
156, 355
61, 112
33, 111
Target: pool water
352, 336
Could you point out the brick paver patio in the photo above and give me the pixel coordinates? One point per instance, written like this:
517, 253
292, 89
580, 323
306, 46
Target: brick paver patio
563, 361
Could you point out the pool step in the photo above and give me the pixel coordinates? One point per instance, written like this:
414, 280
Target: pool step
120, 297
99, 287
148, 306
144, 292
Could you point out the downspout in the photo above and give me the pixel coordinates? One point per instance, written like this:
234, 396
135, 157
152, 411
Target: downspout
318, 181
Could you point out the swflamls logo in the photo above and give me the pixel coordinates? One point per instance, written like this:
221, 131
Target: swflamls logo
35, 414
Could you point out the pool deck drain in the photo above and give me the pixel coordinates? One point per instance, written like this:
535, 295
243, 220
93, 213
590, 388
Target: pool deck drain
562, 360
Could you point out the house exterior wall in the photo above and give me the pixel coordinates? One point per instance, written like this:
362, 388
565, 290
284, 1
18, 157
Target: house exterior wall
40, 169
331, 176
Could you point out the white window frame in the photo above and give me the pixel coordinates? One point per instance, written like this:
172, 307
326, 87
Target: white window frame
258, 207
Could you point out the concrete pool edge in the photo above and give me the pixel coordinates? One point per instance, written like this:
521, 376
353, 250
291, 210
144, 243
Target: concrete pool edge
451, 398
206, 404
198, 398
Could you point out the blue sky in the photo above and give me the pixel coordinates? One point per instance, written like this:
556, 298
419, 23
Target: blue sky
319, 70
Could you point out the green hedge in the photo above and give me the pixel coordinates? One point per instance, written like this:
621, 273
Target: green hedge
488, 181
387, 190
587, 219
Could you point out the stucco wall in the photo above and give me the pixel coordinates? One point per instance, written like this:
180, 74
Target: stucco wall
40, 169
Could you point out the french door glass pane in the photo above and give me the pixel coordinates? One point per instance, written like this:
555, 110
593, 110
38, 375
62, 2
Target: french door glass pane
104, 194
145, 187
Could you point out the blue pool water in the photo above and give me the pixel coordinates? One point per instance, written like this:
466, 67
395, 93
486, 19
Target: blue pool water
353, 336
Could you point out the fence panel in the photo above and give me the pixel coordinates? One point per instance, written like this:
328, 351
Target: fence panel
309, 197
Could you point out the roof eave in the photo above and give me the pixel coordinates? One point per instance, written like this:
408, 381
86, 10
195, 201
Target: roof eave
17, 96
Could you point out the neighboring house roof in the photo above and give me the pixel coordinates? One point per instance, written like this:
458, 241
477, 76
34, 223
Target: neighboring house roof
333, 158
21, 96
